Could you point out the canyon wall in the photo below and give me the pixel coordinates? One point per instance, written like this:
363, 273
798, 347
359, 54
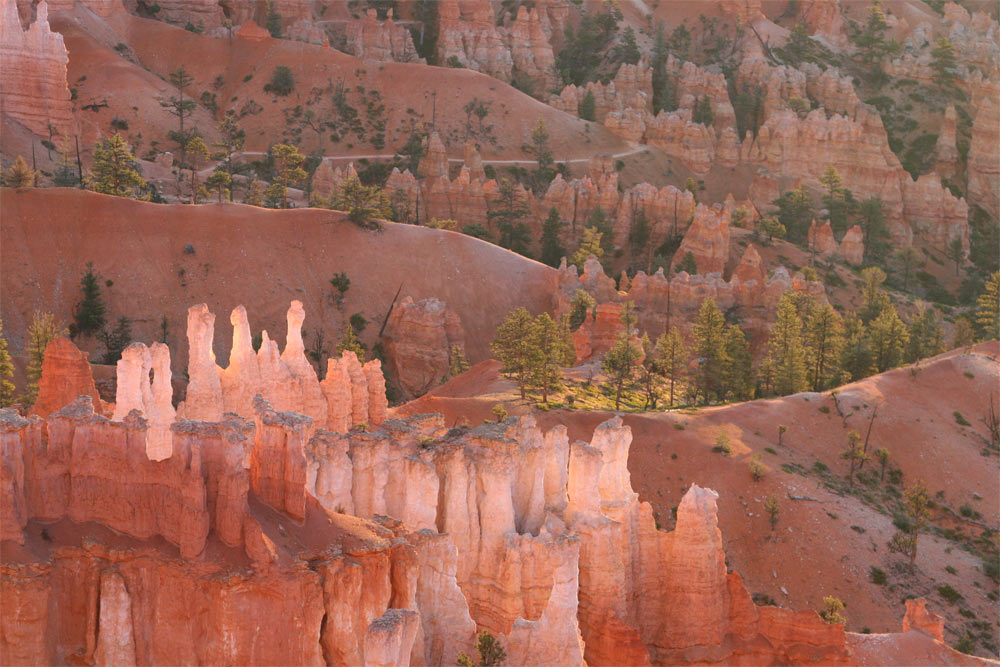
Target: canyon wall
33, 88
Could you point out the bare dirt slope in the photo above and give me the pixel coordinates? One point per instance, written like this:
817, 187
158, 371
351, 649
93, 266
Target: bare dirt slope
162, 259
828, 544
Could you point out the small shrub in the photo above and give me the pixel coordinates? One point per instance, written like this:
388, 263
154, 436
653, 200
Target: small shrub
757, 469
282, 81
189, 249
968, 375
764, 600
453, 61
966, 644
949, 594
673, 457
425, 442
950, 570
820, 467
770, 450
831, 610
500, 412
968, 512
877, 575
678, 426
722, 444
960, 420
825, 409
895, 476
902, 522
859, 530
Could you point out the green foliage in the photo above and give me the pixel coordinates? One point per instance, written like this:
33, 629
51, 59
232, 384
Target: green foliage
114, 170
350, 343
703, 111
627, 50
6, 372
590, 246
796, 213
773, 510
772, 228
586, 108
552, 249
512, 347
584, 48
916, 504
988, 309
363, 203
491, 653
687, 264
580, 307
949, 594
88, 317
877, 576
219, 181
926, 338
710, 349
272, 21
823, 336
889, 338
116, 340
831, 610
786, 350
282, 81
619, 363
960, 420
551, 349
944, 62
456, 361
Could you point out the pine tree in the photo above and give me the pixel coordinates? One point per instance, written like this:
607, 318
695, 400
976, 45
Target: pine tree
926, 336
772, 509
41, 332
6, 372
944, 62
552, 250
889, 339
114, 169
220, 182
737, 371
883, 456
20, 175
786, 350
196, 151
513, 347
545, 171
674, 355
907, 259
350, 343
66, 174
874, 298
587, 106
703, 111
855, 454
181, 107
590, 246
508, 215
988, 309
363, 203
627, 51
962, 335
272, 21
687, 264
581, 306
956, 253
116, 340
917, 505
824, 341
288, 163
619, 363
550, 351
871, 218
710, 348
649, 372
88, 317
856, 357
456, 361
491, 652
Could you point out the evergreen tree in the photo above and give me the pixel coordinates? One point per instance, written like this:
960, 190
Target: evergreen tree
871, 217
42, 330
944, 62
182, 107
837, 200
545, 171
272, 21
786, 350
926, 339
687, 264
627, 50
917, 505
874, 299
710, 348
513, 346
220, 182
619, 363
590, 245
6, 372
66, 174
350, 343
231, 140
673, 354
88, 317
508, 216
824, 341
551, 350
663, 94
587, 108
796, 213
491, 652
771, 227
288, 163
196, 152
580, 307
702, 112
456, 361
956, 253
649, 372
907, 259
856, 357
552, 250
883, 456
114, 169
639, 232
962, 334
363, 203
871, 39
20, 175
737, 370
116, 340
772, 509
889, 339
988, 309
855, 454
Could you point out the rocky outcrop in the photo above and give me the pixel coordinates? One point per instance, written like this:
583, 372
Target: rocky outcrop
66, 374
631, 88
934, 215
823, 18
327, 179
305, 30
707, 239
919, 618
946, 150
530, 49
747, 11
381, 41
419, 338
692, 143
286, 380
434, 164
984, 159
852, 246
823, 243
143, 385
33, 88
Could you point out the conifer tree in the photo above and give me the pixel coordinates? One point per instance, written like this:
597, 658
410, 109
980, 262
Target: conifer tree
587, 106
674, 355
649, 372
988, 309
855, 454
590, 245
350, 343
889, 339
962, 334
545, 171
231, 140
874, 298
926, 336
710, 348
513, 346
824, 341
619, 363
552, 250
288, 163
687, 264
456, 361
20, 175
856, 357
41, 331
551, 349
88, 317
786, 350
580, 307
737, 372
917, 505
181, 107
114, 169
220, 182
6, 372
116, 340
196, 151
